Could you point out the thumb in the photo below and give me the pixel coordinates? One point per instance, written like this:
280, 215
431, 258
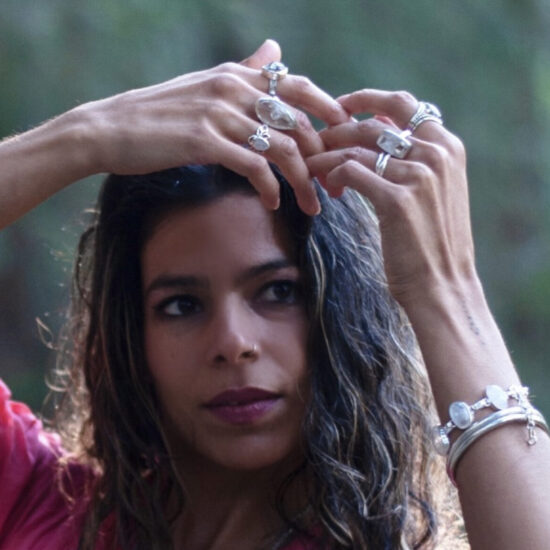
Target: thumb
267, 52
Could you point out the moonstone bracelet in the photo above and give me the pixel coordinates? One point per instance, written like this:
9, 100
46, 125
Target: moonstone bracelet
462, 415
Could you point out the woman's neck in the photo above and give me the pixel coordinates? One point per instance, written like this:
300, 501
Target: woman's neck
228, 509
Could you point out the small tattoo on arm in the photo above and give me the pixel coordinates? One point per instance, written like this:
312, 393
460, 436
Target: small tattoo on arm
472, 324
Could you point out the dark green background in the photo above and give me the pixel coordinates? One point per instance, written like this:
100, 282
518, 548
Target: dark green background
486, 64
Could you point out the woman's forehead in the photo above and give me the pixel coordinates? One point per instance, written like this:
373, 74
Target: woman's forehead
234, 227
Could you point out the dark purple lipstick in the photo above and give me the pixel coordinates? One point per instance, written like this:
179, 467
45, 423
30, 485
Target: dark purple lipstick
242, 405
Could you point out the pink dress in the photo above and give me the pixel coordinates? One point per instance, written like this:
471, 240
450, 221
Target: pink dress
34, 515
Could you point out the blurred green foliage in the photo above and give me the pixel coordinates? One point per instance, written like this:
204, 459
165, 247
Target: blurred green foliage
486, 64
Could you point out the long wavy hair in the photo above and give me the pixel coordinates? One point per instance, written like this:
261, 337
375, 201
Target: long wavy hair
372, 478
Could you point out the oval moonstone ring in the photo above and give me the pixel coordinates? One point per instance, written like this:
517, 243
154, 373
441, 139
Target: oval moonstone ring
275, 113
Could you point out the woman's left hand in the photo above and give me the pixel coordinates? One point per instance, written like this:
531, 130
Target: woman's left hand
421, 200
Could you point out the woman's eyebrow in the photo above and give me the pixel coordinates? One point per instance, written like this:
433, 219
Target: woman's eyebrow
166, 281
260, 269
175, 281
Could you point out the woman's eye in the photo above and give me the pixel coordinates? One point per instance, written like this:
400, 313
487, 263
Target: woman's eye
281, 292
180, 306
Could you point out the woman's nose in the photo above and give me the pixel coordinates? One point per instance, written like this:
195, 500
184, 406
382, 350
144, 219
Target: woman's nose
232, 335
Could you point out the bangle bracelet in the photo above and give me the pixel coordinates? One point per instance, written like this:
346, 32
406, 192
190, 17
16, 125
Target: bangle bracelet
528, 414
462, 415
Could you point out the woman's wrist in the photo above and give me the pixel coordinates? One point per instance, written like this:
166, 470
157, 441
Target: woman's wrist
41, 162
460, 342
82, 127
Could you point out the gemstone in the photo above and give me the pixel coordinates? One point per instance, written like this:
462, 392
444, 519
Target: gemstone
259, 143
275, 70
440, 440
461, 414
395, 144
497, 396
273, 112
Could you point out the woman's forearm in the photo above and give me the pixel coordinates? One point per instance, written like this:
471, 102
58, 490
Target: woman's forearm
423, 208
40, 162
503, 482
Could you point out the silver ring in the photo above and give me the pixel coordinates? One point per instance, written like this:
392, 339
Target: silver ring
424, 112
381, 163
275, 113
274, 72
395, 143
259, 141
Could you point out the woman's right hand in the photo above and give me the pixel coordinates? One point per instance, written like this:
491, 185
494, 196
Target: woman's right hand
205, 118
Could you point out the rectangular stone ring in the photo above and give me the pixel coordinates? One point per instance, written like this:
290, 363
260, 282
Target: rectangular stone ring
395, 144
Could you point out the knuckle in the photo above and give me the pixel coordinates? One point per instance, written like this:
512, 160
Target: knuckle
353, 153
224, 84
400, 202
212, 110
368, 126
303, 84
257, 167
369, 123
197, 129
456, 146
404, 98
348, 169
303, 121
288, 147
406, 201
335, 111
228, 67
435, 156
421, 172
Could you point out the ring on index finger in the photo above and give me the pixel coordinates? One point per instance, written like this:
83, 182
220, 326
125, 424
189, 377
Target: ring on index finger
395, 143
424, 112
274, 72
271, 110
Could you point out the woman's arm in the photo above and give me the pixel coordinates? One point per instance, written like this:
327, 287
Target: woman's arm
40, 162
199, 118
422, 204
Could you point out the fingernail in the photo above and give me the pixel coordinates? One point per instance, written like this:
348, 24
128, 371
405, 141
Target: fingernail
315, 208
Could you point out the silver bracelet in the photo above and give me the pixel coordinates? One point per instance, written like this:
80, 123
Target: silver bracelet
521, 413
462, 415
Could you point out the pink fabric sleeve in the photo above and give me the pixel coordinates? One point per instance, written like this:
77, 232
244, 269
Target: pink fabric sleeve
33, 513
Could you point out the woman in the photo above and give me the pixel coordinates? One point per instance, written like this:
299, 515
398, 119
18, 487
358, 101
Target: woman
242, 378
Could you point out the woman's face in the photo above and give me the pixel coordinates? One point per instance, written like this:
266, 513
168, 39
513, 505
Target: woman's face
225, 334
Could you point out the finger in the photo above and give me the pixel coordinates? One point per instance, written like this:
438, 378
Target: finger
283, 151
323, 163
298, 91
252, 166
423, 161
354, 175
233, 94
399, 106
308, 139
237, 95
364, 133
302, 92
269, 51
386, 120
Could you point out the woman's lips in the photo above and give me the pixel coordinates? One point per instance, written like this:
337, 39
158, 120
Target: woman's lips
243, 405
